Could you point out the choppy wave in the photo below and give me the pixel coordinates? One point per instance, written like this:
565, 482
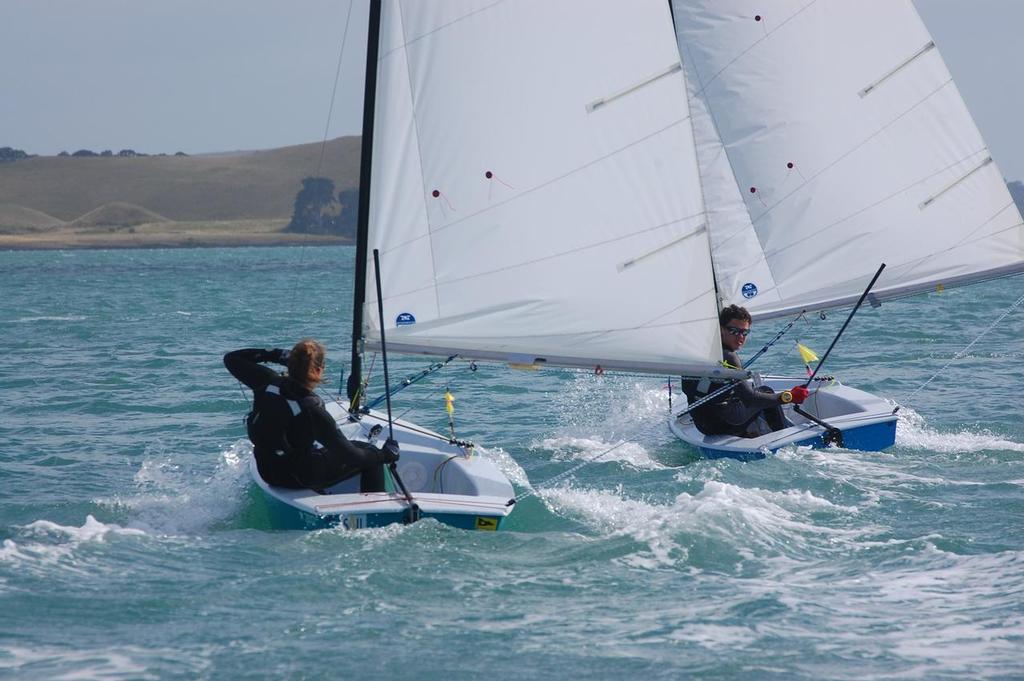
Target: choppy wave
596, 450
101, 663
912, 432
753, 521
172, 498
46, 544
49, 318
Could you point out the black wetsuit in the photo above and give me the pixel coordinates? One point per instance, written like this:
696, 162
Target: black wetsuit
736, 411
296, 442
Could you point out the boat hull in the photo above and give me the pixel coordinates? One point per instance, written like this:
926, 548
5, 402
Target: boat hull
867, 423
447, 482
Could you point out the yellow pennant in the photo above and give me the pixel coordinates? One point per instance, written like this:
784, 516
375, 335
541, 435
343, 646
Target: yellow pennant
449, 402
806, 353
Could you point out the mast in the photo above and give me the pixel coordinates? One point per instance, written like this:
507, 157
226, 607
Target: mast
363, 220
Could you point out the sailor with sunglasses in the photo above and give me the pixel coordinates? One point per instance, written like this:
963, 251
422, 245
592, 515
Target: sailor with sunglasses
743, 411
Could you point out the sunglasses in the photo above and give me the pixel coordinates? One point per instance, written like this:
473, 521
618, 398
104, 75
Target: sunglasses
737, 331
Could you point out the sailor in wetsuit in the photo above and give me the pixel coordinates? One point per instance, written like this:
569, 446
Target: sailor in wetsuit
296, 442
737, 412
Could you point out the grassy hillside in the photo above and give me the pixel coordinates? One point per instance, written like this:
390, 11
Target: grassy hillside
258, 185
15, 219
117, 214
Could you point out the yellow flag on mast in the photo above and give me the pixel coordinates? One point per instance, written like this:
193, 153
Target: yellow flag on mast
806, 353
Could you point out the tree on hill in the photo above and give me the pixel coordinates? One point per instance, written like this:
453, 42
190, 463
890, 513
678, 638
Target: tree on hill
7, 154
349, 200
318, 211
84, 152
315, 207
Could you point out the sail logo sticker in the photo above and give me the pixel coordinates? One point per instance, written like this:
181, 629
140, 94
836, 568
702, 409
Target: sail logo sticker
486, 524
749, 290
405, 319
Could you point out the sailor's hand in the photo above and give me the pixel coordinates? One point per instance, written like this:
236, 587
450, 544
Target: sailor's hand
797, 394
389, 452
277, 356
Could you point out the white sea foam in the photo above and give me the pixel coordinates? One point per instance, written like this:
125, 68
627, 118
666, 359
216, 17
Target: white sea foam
174, 499
598, 450
610, 513
945, 613
754, 520
913, 433
44, 544
92, 530
50, 318
506, 464
109, 662
613, 408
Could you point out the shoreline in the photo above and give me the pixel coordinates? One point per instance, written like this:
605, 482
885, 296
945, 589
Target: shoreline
67, 241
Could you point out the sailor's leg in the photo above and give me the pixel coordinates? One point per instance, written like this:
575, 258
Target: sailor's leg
773, 415
372, 479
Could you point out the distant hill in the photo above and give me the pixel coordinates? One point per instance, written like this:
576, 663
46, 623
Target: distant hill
117, 214
15, 219
231, 186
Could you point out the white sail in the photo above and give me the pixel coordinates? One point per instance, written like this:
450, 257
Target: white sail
832, 139
535, 193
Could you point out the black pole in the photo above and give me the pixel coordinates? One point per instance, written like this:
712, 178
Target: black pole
414, 510
383, 343
833, 435
355, 378
846, 323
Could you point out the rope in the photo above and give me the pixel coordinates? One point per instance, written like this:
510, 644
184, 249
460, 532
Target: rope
963, 352
566, 473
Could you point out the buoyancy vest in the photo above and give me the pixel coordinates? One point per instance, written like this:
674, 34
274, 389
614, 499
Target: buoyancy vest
707, 416
274, 425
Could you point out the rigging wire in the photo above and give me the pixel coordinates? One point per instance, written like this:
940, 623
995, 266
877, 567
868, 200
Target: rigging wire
334, 91
1017, 303
568, 472
327, 124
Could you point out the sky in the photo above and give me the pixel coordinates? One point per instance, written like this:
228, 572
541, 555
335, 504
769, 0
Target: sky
203, 76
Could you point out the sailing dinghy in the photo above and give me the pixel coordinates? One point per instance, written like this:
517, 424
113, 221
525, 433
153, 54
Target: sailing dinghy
831, 138
436, 477
447, 482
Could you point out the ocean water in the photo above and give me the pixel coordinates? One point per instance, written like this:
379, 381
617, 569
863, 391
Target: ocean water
133, 546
